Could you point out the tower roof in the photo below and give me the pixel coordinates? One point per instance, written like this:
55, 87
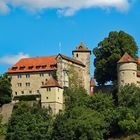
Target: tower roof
126, 58
51, 83
81, 48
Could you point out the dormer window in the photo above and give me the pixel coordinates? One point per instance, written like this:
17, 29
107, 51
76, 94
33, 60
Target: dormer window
22, 67
30, 67
52, 66
44, 66
38, 67
14, 68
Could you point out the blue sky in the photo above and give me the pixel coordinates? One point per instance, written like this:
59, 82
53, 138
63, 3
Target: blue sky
35, 29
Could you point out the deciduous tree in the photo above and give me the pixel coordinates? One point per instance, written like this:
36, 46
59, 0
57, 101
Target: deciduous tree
108, 52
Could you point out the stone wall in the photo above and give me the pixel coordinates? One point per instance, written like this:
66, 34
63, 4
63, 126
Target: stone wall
35, 81
63, 67
84, 57
127, 73
52, 97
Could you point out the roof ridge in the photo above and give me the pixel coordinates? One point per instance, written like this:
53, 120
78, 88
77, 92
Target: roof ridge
51, 82
71, 59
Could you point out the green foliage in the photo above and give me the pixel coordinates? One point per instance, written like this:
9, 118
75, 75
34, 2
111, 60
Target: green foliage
129, 96
3, 129
129, 109
29, 123
54, 75
5, 89
85, 117
26, 97
74, 97
108, 52
74, 81
80, 123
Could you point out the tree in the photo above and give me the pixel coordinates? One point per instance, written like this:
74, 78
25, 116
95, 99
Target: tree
108, 52
29, 123
5, 89
129, 109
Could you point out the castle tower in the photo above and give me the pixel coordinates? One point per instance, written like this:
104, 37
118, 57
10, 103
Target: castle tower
52, 96
82, 53
127, 70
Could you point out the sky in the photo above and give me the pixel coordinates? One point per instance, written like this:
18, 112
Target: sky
30, 28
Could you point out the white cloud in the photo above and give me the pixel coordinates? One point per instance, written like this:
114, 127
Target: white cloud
3, 7
12, 59
65, 7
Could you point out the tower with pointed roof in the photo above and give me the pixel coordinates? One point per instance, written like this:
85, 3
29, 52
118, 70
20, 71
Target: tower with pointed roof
127, 70
52, 95
82, 53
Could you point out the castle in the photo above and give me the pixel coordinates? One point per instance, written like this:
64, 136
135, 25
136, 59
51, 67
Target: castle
128, 73
34, 76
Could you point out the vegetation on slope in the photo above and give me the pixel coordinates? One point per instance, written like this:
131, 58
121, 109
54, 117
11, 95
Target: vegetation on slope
84, 117
5, 89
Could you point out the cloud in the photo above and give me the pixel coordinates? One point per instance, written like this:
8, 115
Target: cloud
12, 59
64, 7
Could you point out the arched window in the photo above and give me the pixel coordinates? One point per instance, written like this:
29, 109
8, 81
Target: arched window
77, 55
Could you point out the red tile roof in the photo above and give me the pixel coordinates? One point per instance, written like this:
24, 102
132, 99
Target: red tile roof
51, 83
34, 65
138, 60
126, 58
72, 60
39, 64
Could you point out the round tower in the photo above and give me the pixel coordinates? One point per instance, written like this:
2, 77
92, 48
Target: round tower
127, 70
82, 53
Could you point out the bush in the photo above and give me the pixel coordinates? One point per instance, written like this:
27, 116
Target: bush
27, 97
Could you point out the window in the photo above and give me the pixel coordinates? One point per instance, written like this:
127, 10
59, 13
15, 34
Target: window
53, 66
28, 84
76, 55
46, 97
22, 92
48, 89
14, 68
19, 76
42, 83
21, 68
19, 84
44, 66
30, 91
37, 91
27, 75
41, 74
30, 67
15, 93
38, 67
